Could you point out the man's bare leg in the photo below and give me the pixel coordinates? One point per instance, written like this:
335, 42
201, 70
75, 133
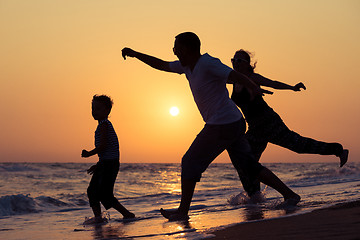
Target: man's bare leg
187, 192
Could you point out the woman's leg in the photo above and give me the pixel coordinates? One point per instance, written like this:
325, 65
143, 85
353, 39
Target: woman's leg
299, 144
269, 178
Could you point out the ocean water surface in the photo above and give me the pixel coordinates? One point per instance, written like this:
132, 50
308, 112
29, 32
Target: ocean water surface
48, 200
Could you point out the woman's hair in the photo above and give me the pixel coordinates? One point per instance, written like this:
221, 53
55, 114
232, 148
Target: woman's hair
246, 56
106, 100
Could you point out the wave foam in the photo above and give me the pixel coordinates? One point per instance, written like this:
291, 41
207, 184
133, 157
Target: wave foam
24, 204
16, 167
17, 204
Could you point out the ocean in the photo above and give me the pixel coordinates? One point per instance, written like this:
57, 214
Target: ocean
48, 200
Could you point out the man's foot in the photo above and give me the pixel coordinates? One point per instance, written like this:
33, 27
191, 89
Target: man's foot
129, 215
344, 157
174, 215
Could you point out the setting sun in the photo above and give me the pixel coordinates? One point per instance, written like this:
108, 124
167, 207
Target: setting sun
174, 111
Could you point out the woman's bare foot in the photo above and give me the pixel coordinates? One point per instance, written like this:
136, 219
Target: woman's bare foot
129, 215
292, 201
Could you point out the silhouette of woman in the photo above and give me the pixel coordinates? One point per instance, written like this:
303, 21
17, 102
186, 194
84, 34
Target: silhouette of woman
265, 125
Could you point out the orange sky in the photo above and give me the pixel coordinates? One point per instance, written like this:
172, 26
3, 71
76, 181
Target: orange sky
55, 55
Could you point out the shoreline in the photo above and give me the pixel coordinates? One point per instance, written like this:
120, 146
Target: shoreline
340, 221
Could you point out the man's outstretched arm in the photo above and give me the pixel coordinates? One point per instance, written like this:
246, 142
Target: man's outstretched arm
147, 59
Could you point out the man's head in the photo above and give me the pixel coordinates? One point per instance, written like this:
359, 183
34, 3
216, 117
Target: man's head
186, 47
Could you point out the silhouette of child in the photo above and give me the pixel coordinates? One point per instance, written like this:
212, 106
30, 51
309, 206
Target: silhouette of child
105, 171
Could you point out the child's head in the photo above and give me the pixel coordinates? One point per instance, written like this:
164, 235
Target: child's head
101, 106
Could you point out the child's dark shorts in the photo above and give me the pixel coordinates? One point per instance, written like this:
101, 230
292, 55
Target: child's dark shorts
101, 186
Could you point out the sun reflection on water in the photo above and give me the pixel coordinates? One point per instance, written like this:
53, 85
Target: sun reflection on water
170, 182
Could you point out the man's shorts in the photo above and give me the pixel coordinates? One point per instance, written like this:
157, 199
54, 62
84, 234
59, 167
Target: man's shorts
211, 142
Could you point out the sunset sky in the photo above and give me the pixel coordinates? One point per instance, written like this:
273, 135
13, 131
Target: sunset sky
55, 55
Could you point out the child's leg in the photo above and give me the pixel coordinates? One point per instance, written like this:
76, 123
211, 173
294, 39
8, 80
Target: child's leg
109, 201
121, 209
111, 169
93, 194
96, 208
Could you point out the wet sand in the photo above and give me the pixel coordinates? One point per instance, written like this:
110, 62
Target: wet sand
341, 221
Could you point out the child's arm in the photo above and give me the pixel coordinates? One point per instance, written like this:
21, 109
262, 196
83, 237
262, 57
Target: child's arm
102, 145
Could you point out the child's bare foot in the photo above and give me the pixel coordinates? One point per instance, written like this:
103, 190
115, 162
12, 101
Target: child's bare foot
95, 220
344, 157
174, 215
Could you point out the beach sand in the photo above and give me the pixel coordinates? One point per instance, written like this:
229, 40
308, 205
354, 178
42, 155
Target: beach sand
341, 221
